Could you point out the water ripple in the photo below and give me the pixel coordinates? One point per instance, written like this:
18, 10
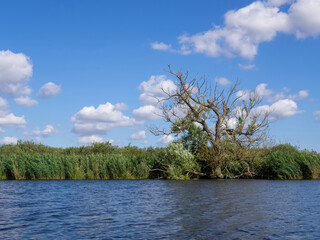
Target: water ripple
226, 209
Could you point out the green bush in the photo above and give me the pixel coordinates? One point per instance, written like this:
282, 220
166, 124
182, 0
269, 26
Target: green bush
180, 162
281, 165
286, 162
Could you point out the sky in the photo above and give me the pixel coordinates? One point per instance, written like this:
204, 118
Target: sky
76, 72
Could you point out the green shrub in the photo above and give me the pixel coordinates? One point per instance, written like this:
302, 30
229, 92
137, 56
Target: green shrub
180, 162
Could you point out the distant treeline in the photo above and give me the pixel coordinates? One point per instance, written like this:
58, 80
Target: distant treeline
28, 160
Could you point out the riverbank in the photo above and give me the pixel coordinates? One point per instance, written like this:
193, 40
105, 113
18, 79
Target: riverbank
29, 161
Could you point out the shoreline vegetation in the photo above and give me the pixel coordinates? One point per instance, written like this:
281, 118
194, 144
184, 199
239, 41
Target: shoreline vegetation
31, 161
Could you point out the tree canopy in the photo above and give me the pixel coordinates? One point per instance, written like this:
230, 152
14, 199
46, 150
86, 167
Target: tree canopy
229, 119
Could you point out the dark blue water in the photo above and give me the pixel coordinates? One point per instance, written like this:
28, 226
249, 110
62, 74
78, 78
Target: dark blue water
226, 209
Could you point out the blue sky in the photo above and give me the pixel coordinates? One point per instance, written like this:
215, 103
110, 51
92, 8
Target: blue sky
73, 72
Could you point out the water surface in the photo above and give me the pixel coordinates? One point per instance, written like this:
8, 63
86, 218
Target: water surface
154, 209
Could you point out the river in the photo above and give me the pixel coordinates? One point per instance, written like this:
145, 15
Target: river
159, 209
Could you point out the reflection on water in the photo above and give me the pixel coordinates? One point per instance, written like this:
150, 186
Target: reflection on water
224, 209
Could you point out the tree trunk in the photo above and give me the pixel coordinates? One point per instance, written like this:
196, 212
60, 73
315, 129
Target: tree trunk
217, 172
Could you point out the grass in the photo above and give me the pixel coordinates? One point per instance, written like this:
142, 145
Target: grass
28, 160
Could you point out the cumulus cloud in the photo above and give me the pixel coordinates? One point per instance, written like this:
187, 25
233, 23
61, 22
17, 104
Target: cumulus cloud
222, 81
8, 120
230, 123
121, 107
164, 140
161, 46
147, 113
300, 95
48, 90
262, 90
244, 29
265, 93
152, 90
9, 140
90, 139
90, 120
152, 93
25, 101
15, 72
304, 18
140, 135
282, 106
281, 109
87, 140
46, 132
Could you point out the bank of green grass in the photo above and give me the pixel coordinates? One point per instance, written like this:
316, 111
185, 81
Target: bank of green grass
28, 160
50, 166
287, 162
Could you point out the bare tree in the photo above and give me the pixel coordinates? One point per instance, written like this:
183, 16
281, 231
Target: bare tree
225, 116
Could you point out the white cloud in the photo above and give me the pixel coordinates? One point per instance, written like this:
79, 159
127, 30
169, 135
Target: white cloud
49, 90
9, 140
231, 123
161, 46
305, 18
87, 140
168, 48
121, 107
247, 67
222, 81
91, 120
243, 94
15, 72
7, 120
262, 91
147, 113
140, 135
165, 140
300, 96
244, 29
46, 132
281, 109
25, 101
153, 89
90, 139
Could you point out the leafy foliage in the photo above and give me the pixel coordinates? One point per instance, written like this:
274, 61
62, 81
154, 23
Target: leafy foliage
28, 160
286, 162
